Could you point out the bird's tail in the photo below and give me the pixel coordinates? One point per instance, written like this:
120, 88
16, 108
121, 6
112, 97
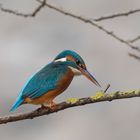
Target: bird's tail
17, 103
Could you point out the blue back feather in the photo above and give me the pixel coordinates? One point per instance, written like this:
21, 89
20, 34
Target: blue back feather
17, 103
19, 99
43, 81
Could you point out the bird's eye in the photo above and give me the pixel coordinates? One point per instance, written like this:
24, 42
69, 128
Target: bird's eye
77, 62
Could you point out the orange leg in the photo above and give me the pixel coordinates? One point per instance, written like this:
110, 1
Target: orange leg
42, 107
51, 104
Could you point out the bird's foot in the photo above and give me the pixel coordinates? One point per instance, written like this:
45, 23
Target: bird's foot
43, 107
51, 105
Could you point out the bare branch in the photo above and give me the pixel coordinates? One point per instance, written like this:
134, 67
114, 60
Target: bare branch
134, 56
33, 14
117, 15
88, 20
99, 97
107, 87
135, 39
84, 19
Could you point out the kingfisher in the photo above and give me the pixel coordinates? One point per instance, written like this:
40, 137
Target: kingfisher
42, 87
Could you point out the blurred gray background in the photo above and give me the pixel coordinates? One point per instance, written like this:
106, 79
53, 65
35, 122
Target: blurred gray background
26, 45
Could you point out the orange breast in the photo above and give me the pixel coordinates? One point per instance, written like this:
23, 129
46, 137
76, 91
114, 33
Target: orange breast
50, 95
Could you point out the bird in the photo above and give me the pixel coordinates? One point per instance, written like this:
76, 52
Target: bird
42, 87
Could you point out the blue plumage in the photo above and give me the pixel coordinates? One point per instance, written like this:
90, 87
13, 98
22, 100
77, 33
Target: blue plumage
20, 99
46, 79
43, 81
70, 53
53, 79
17, 103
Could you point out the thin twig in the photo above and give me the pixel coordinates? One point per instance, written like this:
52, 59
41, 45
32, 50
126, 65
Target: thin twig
88, 20
33, 14
107, 87
117, 15
135, 39
64, 105
134, 56
84, 19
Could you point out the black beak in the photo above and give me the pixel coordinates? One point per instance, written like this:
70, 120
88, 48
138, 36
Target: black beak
89, 76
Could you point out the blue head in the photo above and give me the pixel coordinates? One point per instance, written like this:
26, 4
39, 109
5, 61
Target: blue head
76, 63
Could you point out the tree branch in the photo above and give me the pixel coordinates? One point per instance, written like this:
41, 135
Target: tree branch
107, 87
73, 102
33, 14
134, 56
117, 15
135, 39
84, 19
91, 22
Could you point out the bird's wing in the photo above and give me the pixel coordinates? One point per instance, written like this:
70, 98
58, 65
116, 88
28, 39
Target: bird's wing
44, 81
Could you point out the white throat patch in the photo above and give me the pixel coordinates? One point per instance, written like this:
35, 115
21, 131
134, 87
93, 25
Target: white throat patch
75, 71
